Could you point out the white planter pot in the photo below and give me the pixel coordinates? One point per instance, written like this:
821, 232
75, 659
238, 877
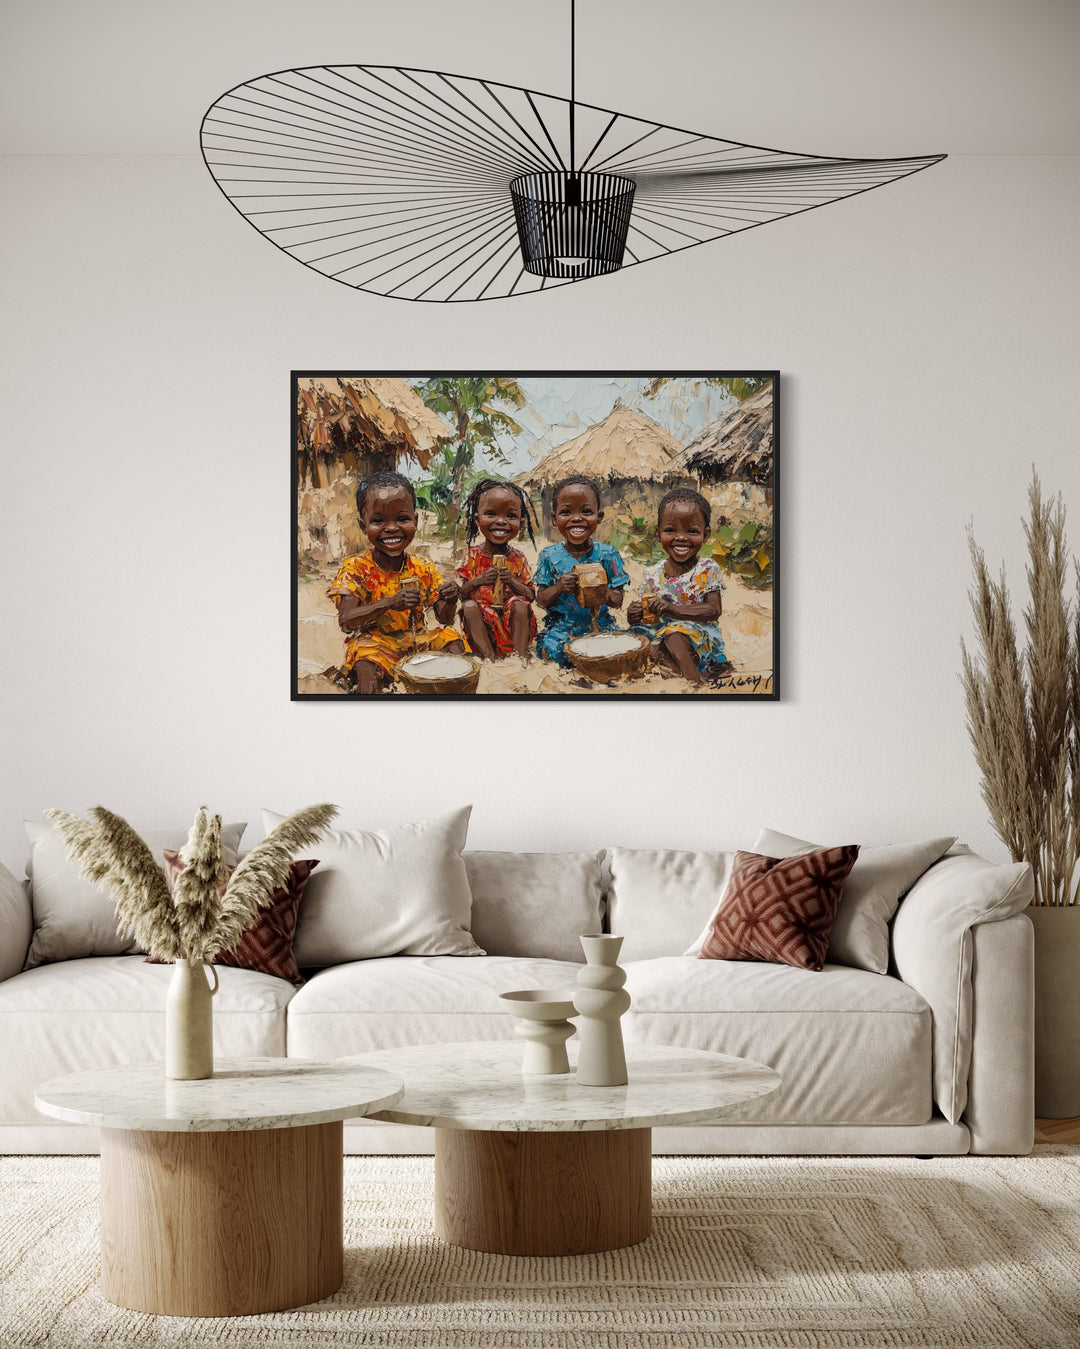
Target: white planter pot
1057, 1011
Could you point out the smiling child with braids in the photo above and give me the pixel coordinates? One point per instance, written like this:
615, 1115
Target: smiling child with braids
494, 581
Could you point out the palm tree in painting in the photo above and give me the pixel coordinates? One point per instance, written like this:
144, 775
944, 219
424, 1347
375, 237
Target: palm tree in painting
469, 403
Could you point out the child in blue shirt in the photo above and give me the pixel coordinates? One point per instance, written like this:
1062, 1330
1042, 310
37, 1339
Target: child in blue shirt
577, 512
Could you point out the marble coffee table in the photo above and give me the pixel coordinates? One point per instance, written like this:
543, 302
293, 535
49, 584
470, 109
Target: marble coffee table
543, 1165
221, 1197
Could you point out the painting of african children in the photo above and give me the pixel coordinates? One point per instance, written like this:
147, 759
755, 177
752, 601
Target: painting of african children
535, 536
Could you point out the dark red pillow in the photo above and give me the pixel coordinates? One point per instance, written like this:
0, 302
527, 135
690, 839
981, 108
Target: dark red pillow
780, 909
268, 946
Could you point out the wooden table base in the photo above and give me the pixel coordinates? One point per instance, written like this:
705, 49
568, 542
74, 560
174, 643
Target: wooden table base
522, 1193
221, 1224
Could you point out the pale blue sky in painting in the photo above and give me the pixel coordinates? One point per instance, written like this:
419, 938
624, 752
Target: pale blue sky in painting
561, 407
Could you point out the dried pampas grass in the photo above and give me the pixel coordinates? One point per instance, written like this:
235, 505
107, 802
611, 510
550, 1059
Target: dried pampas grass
263, 871
208, 911
113, 855
1023, 706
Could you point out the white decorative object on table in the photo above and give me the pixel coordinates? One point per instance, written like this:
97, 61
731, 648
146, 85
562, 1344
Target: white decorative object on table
540, 1019
600, 1001
189, 1021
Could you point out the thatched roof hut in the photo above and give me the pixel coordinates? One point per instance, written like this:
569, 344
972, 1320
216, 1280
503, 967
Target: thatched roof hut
738, 447
361, 426
625, 445
628, 454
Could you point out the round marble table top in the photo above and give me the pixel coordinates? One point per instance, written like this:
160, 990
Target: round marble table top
242, 1094
481, 1086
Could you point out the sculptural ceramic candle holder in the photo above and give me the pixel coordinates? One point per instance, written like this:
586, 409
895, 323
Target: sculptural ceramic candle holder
540, 1020
601, 1000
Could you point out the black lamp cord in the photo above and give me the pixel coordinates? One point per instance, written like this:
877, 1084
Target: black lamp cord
573, 161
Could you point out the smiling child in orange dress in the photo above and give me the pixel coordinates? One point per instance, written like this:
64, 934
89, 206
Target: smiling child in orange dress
382, 595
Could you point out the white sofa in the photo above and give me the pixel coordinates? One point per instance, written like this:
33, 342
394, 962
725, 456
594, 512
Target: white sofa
932, 1058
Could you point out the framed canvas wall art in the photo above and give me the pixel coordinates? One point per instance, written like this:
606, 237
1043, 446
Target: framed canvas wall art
539, 535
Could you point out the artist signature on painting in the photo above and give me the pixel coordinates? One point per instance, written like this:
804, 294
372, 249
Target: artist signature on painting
744, 683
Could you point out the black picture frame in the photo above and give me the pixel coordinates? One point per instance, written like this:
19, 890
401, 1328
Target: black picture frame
341, 466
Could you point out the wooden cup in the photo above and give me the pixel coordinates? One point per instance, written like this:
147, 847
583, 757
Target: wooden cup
497, 590
592, 584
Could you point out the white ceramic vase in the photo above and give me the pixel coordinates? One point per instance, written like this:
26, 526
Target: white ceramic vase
189, 1021
600, 1001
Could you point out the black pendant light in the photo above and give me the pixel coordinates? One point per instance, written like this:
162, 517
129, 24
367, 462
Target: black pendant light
421, 185
572, 225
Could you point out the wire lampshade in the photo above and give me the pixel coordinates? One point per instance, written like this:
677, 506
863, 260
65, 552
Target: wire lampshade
572, 225
421, 185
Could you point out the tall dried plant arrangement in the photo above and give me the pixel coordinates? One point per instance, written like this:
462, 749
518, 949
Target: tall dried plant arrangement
1023, 706
208, 910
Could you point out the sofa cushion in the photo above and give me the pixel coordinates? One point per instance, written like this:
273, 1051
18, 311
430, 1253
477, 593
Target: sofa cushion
933, 953
385, 892
860, 933
780, 909
852, 1047
16, 924
267, 945
660, 900
62, 1018
411, 1000
534, 903
72, 917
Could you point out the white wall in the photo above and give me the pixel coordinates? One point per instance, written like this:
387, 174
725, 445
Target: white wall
927, 335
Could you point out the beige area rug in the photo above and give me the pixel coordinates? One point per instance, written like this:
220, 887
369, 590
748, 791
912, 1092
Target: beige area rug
758, 1252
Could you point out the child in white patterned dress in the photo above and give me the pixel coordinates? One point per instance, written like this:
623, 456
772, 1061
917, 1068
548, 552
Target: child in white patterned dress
683, 593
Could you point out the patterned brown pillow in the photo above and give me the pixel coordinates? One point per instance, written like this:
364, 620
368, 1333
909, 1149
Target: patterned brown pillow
268, 946
780, 909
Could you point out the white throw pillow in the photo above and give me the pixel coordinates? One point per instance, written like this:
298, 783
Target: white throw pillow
660, 900
880, 876
386, 892
931, 942
16, 927
534, 904
72, 917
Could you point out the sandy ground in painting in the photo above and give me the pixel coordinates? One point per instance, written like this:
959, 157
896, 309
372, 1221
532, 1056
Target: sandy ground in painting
746, 624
